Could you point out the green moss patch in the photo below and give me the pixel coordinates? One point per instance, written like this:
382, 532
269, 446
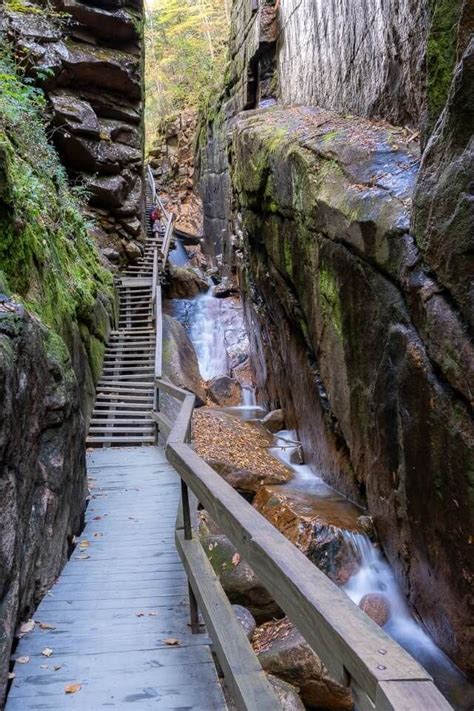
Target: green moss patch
48, 258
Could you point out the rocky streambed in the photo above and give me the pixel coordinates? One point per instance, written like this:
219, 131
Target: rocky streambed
207, 351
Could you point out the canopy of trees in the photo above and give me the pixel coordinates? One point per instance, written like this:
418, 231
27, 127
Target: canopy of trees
185, 55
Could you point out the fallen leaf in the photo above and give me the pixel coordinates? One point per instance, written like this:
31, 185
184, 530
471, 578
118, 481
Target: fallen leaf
11, 675
98, 535
46, 626
152, 614
236, 559
72, 688
57, 667
44, 666
27, 627
97, 518
23, 660
140, 614
172, 642
47, 652
84, 544
82, 557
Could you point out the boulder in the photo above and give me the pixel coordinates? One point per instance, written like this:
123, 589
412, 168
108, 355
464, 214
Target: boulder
104, 157
246, 619
120, 132
237, 578
185, 283
180, 364
73, 114
282, 651
377, 607
287, 694
133, 250
237, 450
274, 421
111, 254
224, 391
107, 190
319, 524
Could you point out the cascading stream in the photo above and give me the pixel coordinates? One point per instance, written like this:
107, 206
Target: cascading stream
205, 317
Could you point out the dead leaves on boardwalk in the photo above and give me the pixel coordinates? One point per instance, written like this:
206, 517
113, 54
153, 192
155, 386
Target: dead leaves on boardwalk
72, 688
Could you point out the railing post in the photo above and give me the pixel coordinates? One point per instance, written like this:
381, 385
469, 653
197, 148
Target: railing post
188, 534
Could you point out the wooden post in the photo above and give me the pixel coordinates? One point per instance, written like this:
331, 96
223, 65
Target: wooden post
188, 534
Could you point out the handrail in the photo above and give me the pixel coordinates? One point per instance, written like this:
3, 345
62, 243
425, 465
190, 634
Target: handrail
356, 651
167, 240
155, 197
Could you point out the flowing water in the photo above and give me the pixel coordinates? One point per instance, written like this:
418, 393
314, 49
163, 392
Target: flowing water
205, 317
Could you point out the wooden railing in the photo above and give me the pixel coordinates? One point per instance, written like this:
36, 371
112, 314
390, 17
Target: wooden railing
354, 649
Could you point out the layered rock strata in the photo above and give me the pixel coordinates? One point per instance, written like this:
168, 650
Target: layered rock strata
87, 57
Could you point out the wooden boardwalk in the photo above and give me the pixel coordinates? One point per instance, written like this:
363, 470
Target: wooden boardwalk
120, 598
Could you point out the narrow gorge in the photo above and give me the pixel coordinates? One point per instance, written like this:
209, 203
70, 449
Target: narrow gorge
267, 205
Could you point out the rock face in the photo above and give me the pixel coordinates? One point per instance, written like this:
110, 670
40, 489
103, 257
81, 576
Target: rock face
224, 391
317, 524
283, 652
237, 450
42, 479
358, 307
185, 283
180, 363
90, 69
172, 163
370, 356
238, 579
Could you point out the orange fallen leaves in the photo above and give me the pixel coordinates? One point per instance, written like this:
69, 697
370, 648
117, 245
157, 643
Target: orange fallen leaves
72, 688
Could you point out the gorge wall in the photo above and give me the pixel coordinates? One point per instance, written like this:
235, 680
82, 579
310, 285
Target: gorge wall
87, 56
71, 76
358, 297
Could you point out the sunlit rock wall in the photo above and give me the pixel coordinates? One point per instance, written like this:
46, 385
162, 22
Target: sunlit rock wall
364, 57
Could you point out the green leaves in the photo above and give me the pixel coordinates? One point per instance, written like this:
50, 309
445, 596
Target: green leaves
186, 48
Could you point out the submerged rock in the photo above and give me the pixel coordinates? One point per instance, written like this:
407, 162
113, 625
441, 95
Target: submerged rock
237, 450
224, 391
317, 525
283, 651
377, 607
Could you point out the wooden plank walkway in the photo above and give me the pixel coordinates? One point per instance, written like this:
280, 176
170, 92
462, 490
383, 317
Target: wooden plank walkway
119, 598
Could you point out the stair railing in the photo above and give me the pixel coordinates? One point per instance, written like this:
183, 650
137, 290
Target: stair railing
356, 651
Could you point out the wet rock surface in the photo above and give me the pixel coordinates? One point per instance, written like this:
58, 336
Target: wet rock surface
287, 694
224, 391
43, 479
370, 355
180, 363
90, 69
377, 607
283, 652
317, 525
185, 283
237, 450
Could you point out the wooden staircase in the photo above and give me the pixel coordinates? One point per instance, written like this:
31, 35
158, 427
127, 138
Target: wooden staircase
125, 391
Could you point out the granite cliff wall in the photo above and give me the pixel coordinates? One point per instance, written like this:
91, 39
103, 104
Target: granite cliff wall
87, 56
359, 300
